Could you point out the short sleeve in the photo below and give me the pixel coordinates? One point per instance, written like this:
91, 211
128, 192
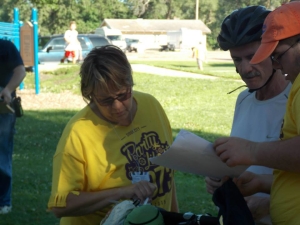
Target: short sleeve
68, 171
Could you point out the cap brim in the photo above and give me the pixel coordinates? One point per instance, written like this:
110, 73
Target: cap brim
263, 52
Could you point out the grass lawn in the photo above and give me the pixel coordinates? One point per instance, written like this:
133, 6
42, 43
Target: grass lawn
198, 105
219, 69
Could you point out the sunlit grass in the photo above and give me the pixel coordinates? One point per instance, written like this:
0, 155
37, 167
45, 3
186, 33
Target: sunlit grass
218, 69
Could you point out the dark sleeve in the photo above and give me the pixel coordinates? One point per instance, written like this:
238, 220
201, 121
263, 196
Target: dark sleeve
14, 57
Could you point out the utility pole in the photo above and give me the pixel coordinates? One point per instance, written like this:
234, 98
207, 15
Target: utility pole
196, 10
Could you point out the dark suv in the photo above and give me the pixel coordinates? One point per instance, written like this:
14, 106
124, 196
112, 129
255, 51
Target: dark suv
54, 49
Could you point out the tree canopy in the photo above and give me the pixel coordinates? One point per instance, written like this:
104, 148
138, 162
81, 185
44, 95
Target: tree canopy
54, 15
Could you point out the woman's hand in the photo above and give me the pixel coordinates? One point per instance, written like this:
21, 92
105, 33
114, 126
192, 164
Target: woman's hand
140, 190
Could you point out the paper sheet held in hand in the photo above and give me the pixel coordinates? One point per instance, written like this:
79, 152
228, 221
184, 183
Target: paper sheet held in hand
193, 154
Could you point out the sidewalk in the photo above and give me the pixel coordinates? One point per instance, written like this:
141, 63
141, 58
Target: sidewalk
139, 68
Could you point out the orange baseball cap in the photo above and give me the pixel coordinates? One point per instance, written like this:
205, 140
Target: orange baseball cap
282, 23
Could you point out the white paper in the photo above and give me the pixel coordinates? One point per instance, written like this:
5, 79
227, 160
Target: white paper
193, 154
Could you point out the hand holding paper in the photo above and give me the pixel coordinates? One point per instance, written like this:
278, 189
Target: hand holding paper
193, 154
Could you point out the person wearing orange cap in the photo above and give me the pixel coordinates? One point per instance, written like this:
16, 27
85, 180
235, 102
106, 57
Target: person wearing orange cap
281, 42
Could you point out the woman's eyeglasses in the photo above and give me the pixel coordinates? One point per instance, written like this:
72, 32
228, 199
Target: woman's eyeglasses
277, 60
120, 97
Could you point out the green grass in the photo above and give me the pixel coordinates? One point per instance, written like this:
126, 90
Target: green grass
219, 69
35, 142
198, 105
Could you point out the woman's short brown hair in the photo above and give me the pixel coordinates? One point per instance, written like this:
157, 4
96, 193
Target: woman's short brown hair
105, 68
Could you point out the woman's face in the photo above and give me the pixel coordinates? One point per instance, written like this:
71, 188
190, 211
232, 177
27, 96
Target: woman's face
115, 106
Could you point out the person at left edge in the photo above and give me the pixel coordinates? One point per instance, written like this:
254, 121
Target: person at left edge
12, 72
105, 146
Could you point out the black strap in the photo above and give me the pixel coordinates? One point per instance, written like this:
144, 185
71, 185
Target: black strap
252, 90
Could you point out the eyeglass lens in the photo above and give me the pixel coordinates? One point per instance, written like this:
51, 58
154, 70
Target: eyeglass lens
276, 60
121, 97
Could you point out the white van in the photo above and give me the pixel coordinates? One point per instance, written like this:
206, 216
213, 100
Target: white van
114, 35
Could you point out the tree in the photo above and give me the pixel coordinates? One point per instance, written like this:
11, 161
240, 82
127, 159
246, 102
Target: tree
6, 10
54, 15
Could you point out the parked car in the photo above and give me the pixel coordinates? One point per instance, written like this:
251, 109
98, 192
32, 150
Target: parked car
43, 40
133, 44
54, 49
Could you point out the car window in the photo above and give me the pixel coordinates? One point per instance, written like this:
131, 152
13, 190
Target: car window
43, 40
82, 43
58, 43
99, 41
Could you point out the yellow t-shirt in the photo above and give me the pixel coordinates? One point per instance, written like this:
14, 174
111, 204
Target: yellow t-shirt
196, 52
285, 193
94, 155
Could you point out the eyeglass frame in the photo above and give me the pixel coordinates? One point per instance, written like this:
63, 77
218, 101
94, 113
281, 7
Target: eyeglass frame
120, 97
276, 60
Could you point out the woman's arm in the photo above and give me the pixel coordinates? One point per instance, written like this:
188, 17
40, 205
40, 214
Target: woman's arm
89, 202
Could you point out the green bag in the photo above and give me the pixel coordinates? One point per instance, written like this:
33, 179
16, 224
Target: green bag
144, 215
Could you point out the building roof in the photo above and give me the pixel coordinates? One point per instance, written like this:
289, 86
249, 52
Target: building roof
145, 26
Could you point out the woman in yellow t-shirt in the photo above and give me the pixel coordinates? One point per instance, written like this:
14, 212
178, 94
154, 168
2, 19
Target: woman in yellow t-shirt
103, 153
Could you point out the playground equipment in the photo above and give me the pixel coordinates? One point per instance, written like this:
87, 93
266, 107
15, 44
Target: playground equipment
26, 40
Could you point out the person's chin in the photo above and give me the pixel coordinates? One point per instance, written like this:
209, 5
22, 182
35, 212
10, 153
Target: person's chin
121, 116
254, 83
252, 86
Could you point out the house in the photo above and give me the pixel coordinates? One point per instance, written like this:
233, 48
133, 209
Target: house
153, 32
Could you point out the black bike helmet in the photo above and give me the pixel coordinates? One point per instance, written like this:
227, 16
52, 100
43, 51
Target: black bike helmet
242, 26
